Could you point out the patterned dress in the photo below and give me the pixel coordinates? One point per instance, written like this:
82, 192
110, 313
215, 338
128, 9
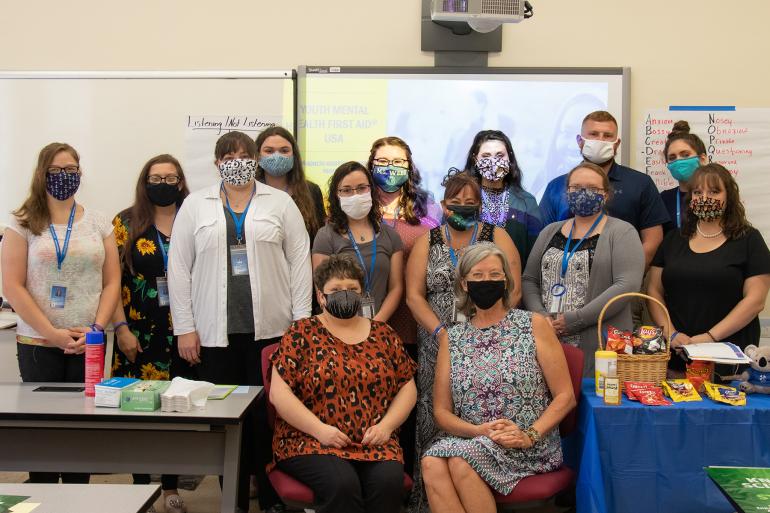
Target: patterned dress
149, 322
576, 280
494, 374
439, 288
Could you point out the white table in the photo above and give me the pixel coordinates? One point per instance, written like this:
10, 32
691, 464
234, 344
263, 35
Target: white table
65, 432
85, 498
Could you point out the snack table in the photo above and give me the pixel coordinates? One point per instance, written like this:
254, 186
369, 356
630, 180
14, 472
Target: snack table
65, 432
636, 458
85, 498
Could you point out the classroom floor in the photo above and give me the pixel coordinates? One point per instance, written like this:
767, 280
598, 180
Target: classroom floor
205, 498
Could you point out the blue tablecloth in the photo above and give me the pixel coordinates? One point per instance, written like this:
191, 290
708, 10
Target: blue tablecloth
646, 459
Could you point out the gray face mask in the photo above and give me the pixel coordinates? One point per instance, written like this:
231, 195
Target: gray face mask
343, 304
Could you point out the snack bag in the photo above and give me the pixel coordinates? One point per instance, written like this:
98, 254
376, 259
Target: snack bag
646, 393
649, 340
724, 394
699, 371
619, 340
680, 390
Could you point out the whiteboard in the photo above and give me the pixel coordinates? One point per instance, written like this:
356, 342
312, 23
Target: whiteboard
118, 120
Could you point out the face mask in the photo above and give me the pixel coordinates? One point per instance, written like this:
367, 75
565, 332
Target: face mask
683, 169
598, 152
276, 164
485, 294
390, 178
463, 216
585, 203
493, 168
162, 194
62, 185
343, 304
238, 171
707, 209
357, 206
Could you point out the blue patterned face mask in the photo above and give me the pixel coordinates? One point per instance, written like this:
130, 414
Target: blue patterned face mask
585, 202
276, 164
62, 185
390, 178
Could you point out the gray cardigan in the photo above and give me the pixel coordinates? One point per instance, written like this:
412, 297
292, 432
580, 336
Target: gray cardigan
618, 267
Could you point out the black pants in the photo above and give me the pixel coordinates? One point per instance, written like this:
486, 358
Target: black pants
45, 365
350, 486
240, 363
407, 434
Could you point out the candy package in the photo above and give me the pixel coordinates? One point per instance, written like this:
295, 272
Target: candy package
698, 372
724, 394
619, 340
648, 340
646, 393
681, 390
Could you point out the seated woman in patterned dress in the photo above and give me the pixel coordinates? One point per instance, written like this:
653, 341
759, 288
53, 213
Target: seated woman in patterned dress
342, 384
501, 389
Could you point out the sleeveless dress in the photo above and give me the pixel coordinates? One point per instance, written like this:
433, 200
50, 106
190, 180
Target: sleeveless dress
494, 374
439, 288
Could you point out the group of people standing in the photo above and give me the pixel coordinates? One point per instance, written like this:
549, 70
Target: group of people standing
456, 306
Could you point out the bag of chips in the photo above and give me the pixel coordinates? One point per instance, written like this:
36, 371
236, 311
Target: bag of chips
698, 372
724, 394
681, 390
619, 340
646, 393
649, 340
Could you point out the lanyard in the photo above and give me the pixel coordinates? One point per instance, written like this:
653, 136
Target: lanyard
61, 254
678, 208
368, 275
452, 255
238, 219
162, 251
567, 253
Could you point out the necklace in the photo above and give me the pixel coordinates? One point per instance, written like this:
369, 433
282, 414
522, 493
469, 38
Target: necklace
707, 235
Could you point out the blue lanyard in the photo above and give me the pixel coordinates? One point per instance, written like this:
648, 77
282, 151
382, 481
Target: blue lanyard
452, 255
567, 253
162, 250
238, 219
368, 275
678, 208
61, 254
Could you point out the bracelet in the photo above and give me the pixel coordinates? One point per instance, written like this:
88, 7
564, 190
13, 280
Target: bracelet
117, 325
96, 327
533, 435
713, 339
673, 336
439, 328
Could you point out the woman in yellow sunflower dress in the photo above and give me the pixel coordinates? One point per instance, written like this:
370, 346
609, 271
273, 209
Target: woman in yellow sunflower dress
145, 346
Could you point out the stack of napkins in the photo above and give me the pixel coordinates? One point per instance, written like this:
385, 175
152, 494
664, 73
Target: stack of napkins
185, 394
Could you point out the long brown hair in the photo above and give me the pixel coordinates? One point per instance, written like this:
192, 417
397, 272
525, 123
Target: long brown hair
300, 192
734, 222
33, 214
338, 220
141, 215
413, 203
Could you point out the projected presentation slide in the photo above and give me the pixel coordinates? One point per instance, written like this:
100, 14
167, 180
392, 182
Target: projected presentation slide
341, 114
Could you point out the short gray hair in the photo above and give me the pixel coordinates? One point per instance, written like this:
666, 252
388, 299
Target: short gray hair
472, 256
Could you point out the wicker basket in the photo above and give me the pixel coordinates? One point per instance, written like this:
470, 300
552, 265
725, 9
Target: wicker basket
640, 367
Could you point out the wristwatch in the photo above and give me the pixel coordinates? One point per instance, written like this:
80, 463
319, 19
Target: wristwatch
533, 435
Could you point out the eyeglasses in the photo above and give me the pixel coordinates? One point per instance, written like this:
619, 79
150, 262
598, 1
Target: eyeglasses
70, 170
493, 276
155, 179
578, 188
395, 162
350, 191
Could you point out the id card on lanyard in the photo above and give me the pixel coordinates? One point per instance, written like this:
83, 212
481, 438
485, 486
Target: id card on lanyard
161, 283
238, 256
559, 290
58, 296
457, 316
367, 301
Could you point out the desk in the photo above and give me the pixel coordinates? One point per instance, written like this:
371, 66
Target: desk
65, 432
637, 458
85, 498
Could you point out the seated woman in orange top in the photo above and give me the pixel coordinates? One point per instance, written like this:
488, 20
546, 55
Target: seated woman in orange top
342, 384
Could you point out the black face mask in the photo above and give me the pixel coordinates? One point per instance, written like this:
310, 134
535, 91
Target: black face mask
343, 304
162, 194
463, 216
485, 294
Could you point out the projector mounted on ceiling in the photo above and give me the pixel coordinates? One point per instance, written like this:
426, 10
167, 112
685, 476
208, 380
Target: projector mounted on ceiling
481, 15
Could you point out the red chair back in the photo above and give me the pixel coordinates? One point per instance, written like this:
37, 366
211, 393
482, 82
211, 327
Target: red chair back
575, 359
267, 370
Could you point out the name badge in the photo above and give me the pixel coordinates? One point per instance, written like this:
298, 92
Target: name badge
457, 315
58, 296
558, 291
162, 286
367, 306
239, 260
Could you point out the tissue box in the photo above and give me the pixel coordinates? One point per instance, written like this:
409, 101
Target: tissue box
143, 396
108, 391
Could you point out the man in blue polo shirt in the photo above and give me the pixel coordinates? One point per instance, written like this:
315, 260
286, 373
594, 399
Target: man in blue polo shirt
635, 199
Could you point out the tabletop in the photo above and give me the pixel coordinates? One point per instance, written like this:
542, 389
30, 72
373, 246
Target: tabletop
84, 498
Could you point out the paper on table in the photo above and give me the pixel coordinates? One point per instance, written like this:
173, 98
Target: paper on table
8, 320
8, 501
719, 352
24, 507
241, 390
221, 391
